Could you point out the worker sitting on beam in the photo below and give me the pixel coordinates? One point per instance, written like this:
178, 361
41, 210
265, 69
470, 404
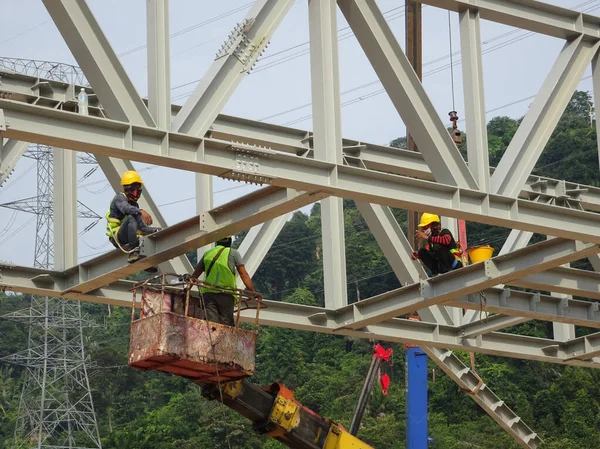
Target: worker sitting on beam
440, 253
220, 264
126, 222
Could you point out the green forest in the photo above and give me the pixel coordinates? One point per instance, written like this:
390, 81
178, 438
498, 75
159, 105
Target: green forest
158, 411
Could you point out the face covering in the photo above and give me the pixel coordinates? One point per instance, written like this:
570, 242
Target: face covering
427, 232
134, 194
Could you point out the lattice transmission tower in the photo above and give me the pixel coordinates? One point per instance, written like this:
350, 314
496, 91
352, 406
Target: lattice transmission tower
56, 408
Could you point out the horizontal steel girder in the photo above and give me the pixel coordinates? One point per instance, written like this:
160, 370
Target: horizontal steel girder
569, 281
246, 163
189, 235
487, 324
316, 319
466, 281
57, 95
529, 15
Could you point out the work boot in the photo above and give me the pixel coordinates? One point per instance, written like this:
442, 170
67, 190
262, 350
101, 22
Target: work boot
134, 256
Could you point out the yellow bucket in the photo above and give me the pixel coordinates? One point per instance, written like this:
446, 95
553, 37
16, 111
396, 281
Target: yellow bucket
480, 253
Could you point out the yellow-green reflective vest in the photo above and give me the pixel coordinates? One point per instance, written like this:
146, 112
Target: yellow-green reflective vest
112, 224
220, 274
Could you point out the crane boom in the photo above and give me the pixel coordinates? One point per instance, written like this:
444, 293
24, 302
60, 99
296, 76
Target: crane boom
274, 411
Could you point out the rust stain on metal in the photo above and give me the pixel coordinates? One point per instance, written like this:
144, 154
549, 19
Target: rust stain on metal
164, 339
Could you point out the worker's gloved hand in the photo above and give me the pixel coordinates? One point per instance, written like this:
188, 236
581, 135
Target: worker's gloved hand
414, 255
185, 277
146, 217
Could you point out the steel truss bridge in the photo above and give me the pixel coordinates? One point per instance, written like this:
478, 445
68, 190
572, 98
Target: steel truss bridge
298, 168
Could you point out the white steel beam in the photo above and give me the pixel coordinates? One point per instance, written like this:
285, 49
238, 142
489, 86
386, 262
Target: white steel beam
596, 87
534, 306
317, 319
569, 281
113, 169
65, 209
159, 62
204, 201
529, 15
563, 331
236, 57
297, 141
325, 80
392, 241
475, 118
469, 382
595, 261
494, 323
468, 280
258, 241
516, 240
406, 92
544, 113
188, 235
583, 348
10, 153
97, 59
228, 159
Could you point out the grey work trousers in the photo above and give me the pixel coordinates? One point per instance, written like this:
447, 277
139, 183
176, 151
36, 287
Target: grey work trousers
219, 308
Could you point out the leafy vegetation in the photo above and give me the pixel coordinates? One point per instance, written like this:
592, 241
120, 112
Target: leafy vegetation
149, 410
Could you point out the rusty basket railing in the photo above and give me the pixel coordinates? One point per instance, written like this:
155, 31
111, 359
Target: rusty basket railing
245, 299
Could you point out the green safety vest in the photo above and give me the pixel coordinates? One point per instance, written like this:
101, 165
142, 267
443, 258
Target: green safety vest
220, 274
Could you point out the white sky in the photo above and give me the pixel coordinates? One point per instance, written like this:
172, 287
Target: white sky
515, 65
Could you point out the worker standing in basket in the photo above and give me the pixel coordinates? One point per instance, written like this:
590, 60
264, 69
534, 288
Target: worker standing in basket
126, 222
440, 253
220, 264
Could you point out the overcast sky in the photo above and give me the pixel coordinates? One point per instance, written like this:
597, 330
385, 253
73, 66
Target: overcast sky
515, 64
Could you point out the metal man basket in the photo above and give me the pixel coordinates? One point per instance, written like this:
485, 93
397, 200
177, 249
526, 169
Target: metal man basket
171, 335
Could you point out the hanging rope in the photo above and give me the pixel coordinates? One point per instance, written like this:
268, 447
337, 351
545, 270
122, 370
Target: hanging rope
212, 346
451, 62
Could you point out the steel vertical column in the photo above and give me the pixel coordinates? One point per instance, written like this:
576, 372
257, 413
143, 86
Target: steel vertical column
328, 142
204, 201
416, 399
65, 209
562, 331
159, 73
596, 86
477, 146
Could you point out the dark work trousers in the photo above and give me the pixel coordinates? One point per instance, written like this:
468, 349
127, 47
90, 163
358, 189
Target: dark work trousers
219, 308
438, 258
128, 230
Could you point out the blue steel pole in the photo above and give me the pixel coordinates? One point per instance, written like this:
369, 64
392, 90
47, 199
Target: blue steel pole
416, 399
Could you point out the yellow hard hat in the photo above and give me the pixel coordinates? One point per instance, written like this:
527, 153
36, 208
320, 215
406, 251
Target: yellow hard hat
427, 219
130, 177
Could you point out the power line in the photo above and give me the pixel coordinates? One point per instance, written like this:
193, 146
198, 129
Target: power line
25, 32
192, 28
290, 57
